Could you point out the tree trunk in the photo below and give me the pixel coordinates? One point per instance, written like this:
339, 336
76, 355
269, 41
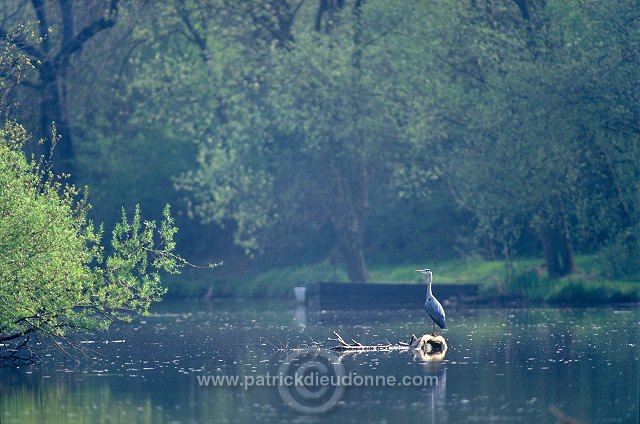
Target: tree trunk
549, 249
349, 169
53, 63
491, 253
564, 241
557, 248
567, 256
53, 115
353, 252
566, 250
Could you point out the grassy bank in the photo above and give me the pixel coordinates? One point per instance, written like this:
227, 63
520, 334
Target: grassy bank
524, 278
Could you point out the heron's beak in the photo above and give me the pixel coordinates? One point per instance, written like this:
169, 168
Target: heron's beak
419, 270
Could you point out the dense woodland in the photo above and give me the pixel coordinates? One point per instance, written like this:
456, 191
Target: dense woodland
292, 131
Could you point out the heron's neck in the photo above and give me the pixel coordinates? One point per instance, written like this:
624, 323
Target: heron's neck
429, 280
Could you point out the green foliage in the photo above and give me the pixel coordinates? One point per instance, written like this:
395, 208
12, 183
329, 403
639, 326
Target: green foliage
497, 106
543, 138
309, 141
287, 278
13, 64
592, 292
468, 270
584, 288
620, 258
528, 282
55, 276
369, 135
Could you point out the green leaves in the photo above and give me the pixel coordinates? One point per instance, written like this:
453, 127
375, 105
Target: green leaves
532, 104
305, 134
54, 279
365, 130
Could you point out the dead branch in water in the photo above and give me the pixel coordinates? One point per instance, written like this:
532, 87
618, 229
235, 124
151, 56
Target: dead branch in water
428, 344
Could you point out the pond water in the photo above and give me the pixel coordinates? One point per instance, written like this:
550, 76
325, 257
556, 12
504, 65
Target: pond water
502, 365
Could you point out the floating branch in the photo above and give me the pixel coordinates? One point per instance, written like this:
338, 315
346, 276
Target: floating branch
428, 344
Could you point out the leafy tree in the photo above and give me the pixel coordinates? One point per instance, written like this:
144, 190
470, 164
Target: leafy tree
61, 31
330, 123
55, 276
307, 137
544, 101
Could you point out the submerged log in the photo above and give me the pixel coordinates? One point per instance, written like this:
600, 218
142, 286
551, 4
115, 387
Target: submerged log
428, 345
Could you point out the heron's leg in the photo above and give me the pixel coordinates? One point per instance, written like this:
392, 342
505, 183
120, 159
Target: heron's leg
434, 328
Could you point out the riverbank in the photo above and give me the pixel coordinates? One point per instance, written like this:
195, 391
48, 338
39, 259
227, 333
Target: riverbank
522, 279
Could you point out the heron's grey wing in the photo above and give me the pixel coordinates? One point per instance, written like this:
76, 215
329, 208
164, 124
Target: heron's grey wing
435, 311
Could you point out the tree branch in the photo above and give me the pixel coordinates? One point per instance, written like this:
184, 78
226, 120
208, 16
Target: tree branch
22, 45
77, 42
43, 26
200, 41
17, 335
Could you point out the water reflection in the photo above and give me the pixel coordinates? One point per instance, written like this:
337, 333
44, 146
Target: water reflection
438, 397
301, 315
423, 356
503, 364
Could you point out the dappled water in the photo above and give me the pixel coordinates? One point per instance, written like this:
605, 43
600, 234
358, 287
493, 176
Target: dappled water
503, 365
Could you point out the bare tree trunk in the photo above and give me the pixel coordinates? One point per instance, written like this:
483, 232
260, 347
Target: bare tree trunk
564, 241
352, 249
53, 115
567, 256
549, 249
556, 245
329, 7
491, 254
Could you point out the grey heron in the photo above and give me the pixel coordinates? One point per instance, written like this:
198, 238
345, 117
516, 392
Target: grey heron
431, 305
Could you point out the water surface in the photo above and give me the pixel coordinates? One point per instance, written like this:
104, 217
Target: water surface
503, 365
